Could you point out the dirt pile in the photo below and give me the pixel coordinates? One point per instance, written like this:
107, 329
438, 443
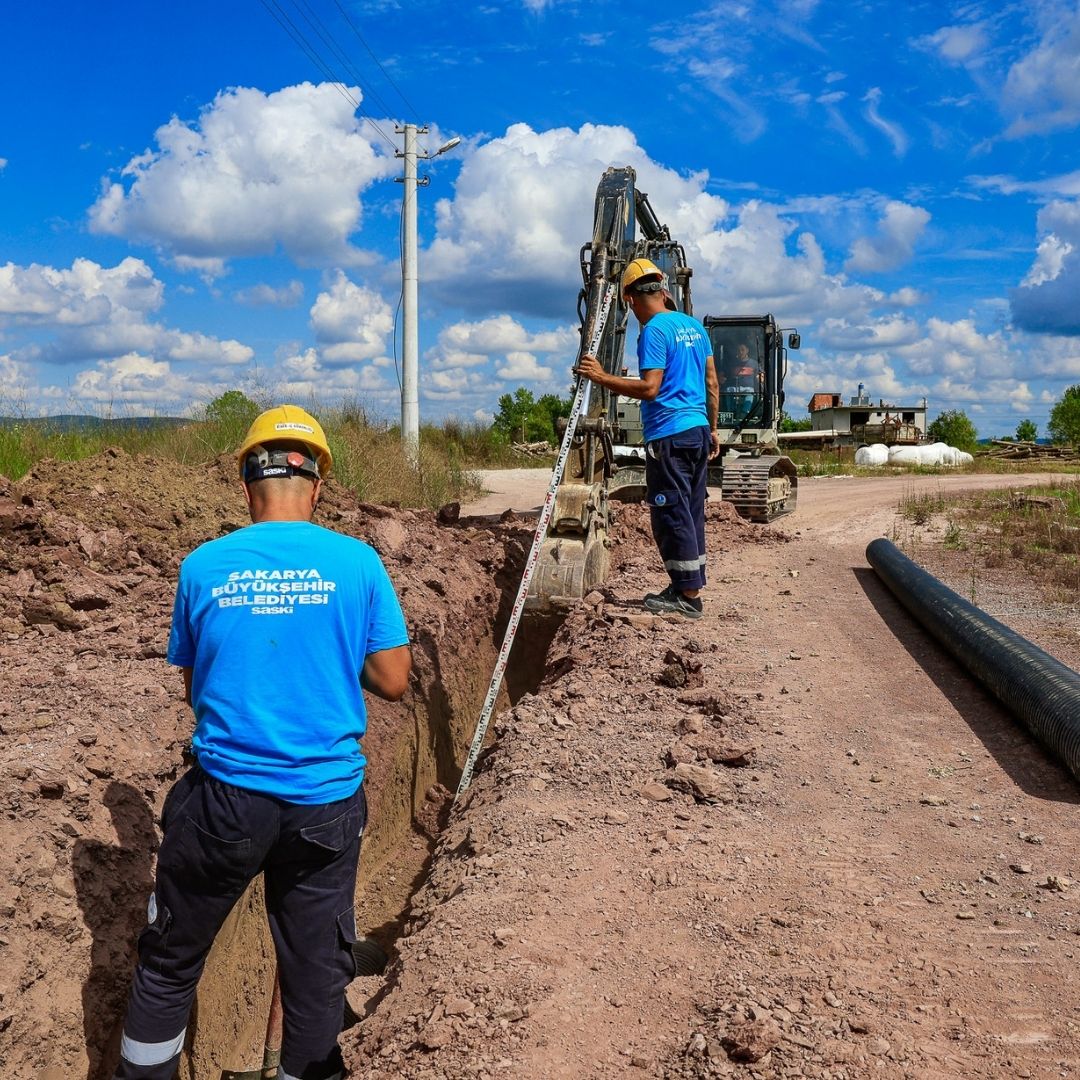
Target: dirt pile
94, 730
563, 880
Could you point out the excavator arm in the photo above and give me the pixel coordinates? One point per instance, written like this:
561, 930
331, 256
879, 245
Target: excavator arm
575, 555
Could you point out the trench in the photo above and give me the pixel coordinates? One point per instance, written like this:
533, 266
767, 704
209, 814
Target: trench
415, 750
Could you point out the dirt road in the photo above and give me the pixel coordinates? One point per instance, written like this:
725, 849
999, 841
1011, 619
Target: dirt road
876, 883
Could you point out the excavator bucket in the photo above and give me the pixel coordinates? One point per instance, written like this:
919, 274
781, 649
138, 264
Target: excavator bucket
574, 558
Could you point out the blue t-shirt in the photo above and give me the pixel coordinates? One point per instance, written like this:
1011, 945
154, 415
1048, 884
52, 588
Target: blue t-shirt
275, 621
680, 345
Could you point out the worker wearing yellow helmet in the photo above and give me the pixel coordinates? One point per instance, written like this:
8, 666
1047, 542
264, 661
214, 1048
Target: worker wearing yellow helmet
276, 427
278, 628
680, 396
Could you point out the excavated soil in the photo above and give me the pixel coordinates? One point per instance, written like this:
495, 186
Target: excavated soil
789, 840
94, 731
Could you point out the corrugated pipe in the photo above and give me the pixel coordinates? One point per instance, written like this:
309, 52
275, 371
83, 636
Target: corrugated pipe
1030, 683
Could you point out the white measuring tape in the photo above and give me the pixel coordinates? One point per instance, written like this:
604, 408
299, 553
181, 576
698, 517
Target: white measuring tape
580, 404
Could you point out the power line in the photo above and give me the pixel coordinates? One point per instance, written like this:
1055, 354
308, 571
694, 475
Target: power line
398, 90
286, 24
312, 53
319, 27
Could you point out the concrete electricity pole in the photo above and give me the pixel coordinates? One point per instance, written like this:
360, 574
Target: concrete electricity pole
410, 399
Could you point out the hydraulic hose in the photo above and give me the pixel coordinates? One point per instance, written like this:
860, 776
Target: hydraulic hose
1034, 686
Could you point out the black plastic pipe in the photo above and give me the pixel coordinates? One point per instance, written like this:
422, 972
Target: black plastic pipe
1038, 689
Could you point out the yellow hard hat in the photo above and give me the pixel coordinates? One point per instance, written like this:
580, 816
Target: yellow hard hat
287, 423
643, 268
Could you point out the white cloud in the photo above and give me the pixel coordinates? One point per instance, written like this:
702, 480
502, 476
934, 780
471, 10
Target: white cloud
957, 44
200, 348
891, 130
521, 209
954, 364
86, 294
96, 312
351, 323
1042, 89
1046, 300
523, 205
899, 229
255, 172
461, 363
1065, 185
501, 333
457, 386
726, 81
3, 163
262, 295
883, 333
522, 367
958, 349
812, 373
132, 379
1049, 261
304, 376
15, 383
906, 296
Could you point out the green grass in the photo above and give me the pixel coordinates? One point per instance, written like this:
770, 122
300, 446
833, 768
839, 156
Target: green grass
919, 507
368, 455
1035, 530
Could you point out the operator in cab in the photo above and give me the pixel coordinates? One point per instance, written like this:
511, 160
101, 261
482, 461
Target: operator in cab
744, 382
680, 397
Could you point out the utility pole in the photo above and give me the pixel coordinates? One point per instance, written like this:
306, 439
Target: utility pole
410, 362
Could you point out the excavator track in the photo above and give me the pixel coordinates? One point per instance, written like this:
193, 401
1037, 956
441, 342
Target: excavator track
760, 488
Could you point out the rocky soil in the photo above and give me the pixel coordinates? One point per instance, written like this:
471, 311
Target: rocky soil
789, 840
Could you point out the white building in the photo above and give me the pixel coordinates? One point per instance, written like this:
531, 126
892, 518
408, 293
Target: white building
864, 421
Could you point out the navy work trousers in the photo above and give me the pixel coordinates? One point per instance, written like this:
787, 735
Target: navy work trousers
216, 839
676, 477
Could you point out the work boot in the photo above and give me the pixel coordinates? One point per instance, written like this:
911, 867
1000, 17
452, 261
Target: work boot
667, 594
673, 602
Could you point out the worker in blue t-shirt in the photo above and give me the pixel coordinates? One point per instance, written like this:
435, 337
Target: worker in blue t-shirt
278, 628
680, 397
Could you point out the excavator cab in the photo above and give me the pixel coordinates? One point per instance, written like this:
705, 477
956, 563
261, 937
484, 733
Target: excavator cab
751, 364
739, 355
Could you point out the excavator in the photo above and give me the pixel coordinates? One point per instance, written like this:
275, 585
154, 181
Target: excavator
607, 461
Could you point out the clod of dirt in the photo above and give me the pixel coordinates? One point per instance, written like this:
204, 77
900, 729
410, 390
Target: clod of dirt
680, 671
656, 792
448, 514
751, 1040
706, 785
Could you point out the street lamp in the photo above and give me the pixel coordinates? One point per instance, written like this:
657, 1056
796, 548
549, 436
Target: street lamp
410, 401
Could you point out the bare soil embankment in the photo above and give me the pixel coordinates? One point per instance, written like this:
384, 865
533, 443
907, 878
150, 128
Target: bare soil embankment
95, 730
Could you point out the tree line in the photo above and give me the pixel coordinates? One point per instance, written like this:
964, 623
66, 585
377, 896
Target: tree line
523, 417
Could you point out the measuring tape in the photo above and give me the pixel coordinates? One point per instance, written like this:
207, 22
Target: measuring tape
580, 404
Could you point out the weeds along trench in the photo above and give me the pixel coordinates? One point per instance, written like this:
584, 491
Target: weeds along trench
95, 730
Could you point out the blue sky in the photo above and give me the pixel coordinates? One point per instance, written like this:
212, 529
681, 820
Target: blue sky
188, 203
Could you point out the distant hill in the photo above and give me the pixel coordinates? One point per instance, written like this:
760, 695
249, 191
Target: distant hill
74, 422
